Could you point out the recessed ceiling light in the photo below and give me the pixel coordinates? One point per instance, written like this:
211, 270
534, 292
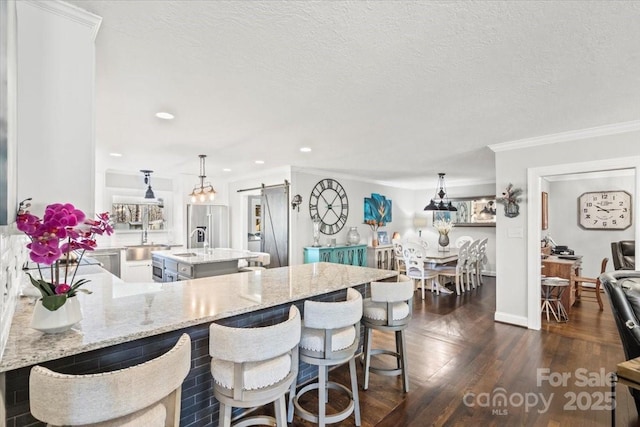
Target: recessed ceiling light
226, 170
305, 149
164, 115
259, 162
115, 154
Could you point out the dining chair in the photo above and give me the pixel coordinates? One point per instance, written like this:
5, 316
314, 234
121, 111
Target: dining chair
460, 271
577, 281
415, 256
481, 259
460, 240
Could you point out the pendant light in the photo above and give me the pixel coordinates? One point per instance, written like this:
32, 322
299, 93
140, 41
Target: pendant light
204, 191
147, 180
440, 201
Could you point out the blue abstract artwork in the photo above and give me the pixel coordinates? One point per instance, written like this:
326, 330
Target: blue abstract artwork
377, 209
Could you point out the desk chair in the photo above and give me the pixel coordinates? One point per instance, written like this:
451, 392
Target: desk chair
577, 281
145, 395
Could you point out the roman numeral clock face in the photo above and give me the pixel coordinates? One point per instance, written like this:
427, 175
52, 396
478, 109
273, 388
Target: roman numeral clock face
605, 210
328, 201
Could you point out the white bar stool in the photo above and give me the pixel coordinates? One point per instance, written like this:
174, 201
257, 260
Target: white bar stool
253, 367
330, 337
144, 395
390, 308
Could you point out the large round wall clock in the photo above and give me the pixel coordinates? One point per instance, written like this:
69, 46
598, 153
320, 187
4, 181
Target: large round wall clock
328, 202
604, 210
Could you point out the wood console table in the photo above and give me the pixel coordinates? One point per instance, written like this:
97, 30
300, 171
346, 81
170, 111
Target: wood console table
558, 267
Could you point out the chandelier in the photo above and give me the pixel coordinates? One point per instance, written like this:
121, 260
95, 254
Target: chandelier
204, 191
440, 201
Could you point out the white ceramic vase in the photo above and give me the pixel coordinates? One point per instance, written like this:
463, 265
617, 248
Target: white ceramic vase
60, 320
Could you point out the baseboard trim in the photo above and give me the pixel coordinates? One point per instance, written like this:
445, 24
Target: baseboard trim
511, 319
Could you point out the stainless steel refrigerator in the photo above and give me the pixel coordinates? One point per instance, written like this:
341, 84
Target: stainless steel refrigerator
207, 224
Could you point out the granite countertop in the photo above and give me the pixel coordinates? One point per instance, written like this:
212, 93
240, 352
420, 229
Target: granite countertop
119, 312
200, 256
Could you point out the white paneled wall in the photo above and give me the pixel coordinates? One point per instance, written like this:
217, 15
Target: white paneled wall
13, 254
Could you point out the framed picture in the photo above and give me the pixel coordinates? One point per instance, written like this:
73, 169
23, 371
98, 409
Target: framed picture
472, 212
383, 238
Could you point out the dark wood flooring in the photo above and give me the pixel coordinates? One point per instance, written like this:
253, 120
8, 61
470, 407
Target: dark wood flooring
456, 349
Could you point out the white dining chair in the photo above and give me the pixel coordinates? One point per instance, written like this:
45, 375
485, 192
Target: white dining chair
460, 240
415, 256
400, 266
481, 259
460, 271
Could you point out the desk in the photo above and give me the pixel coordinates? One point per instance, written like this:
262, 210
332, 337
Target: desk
558, 267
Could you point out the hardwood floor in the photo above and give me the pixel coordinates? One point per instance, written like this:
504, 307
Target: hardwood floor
456, 349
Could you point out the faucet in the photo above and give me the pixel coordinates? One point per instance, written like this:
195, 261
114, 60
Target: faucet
198, 230
144, 237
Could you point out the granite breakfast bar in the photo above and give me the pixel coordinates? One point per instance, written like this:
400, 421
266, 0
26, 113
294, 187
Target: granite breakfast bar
125, 324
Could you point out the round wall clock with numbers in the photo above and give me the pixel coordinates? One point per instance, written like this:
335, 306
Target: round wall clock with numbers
604, 210
328, 202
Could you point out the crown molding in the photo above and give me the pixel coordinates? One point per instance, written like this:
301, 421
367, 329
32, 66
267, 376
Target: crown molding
573, 135
70, 11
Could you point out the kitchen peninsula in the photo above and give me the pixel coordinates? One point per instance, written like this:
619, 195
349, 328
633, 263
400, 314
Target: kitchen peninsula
126, 324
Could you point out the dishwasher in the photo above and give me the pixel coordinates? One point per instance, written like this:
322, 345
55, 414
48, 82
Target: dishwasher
108, 258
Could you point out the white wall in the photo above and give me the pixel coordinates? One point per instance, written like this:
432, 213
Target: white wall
56, 104
593, 245
512, 280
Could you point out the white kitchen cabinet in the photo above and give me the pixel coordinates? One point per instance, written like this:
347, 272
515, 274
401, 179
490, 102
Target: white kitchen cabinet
137, 271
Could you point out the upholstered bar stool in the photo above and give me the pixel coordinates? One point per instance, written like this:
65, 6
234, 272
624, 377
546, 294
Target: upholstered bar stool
262, 260
389, 309
253, 367
330, 337
145, 395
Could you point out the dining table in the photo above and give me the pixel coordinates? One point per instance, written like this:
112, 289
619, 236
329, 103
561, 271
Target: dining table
436, 257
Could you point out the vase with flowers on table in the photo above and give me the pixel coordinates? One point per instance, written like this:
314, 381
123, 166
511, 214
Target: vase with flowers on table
374, 225
57, 245
444, 227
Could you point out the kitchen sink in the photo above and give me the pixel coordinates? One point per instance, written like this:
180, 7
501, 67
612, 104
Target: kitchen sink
143, 252
187, 254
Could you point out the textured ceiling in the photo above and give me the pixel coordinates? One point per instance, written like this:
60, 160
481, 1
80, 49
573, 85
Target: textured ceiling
392, 91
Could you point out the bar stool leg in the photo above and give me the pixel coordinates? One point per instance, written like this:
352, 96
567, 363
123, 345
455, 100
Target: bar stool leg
367, 356
322, 394
402, 352
291, 408
225, 416
354, 390
279, 407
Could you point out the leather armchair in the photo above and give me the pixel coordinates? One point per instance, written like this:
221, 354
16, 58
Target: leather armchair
623, 254
623, 289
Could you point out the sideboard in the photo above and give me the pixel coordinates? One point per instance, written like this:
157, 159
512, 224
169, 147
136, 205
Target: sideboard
381, 256
350, 255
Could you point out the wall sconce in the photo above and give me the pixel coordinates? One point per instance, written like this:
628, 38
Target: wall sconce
296, 202
147, 180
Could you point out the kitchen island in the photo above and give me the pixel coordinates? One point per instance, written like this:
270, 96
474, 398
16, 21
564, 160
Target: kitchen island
184, 264
125, 324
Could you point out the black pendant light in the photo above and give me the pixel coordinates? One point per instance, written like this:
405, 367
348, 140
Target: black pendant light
440, 201
147, 180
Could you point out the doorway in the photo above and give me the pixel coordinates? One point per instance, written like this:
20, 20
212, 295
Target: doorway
534, 214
